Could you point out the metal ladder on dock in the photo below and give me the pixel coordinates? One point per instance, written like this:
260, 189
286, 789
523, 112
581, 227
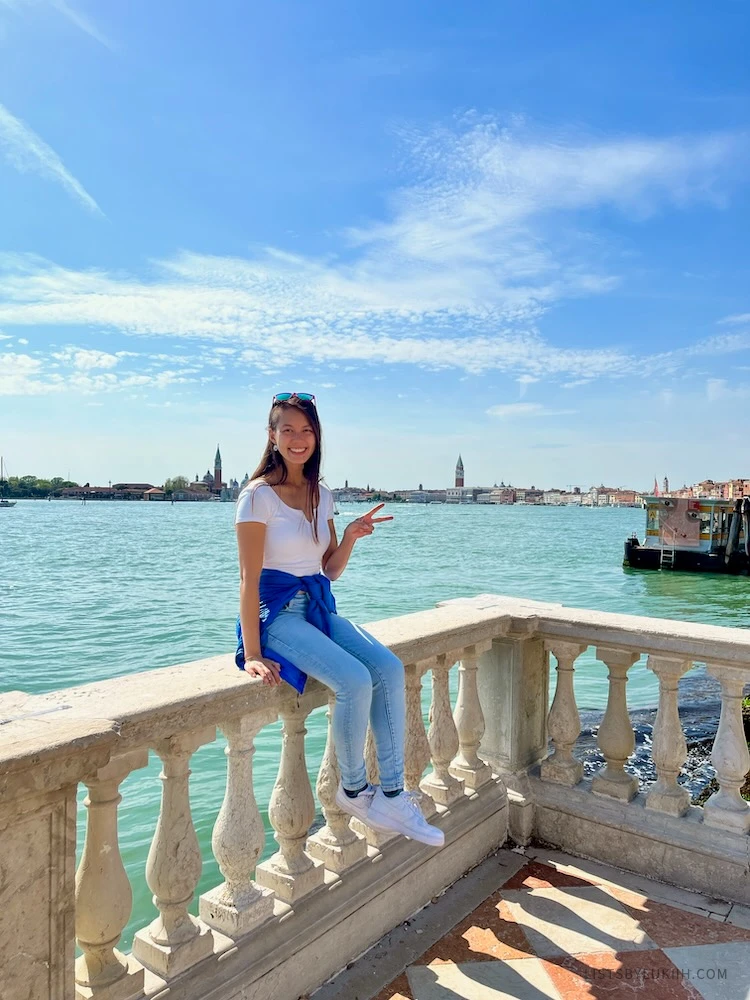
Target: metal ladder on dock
667, 558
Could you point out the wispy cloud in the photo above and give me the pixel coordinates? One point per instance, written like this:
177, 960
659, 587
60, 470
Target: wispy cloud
469, 258
25, 151
81, 21
87, 360
70, 13
84, 371
524, 381
719, 390
525, 410
740, 318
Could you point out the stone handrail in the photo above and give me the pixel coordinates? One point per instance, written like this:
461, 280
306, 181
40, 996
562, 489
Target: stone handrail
496, 736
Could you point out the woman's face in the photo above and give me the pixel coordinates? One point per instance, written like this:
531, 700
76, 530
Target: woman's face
294, 437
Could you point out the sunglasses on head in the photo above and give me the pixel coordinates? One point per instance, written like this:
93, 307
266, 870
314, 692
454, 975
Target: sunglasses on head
284, 397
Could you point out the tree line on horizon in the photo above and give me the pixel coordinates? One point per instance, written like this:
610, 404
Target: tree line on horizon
33, 488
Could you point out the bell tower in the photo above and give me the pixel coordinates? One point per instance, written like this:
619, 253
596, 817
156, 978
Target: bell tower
459, 472
217, 471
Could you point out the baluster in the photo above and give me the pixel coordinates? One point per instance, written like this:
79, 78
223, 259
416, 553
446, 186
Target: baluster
616, 738
336, 845
175, 940
443, 737
669, 748
416, 744
564, 722
291, 872
730, 757
104, 899
238, 904
469, 720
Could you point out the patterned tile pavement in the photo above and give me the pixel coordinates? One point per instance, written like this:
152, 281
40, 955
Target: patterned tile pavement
562, 928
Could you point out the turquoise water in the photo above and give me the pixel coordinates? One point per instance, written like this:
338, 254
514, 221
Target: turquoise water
106, 589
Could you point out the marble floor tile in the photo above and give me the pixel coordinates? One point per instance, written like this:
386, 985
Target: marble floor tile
672, 927
536, 875
715, 971
399, 989
626, 975
578, 919
489, 933
516, 979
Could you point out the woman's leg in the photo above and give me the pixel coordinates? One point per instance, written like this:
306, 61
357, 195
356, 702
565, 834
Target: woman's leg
320, 657
388, 710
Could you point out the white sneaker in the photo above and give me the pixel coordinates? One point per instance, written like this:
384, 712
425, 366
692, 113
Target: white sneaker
402, 814
358, 806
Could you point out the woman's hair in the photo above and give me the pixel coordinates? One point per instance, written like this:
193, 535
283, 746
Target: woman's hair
273, 466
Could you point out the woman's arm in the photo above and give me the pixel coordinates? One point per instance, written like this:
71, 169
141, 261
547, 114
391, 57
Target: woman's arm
251, 536
337, 556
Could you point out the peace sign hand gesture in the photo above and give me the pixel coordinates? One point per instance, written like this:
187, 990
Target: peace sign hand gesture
365, 525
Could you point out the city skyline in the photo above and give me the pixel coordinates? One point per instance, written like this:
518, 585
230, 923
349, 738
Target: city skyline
216, 476
493, 229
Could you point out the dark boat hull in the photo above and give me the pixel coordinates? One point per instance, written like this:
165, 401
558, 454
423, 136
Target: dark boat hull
638, 556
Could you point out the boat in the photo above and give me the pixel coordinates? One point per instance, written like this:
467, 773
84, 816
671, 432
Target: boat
3, 501
698, 535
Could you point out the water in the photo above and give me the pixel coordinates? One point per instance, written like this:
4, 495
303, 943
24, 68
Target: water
106, 589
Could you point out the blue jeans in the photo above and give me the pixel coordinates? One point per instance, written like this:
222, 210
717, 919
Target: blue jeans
368, 681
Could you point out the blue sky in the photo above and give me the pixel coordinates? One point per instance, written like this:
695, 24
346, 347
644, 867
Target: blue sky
514, 230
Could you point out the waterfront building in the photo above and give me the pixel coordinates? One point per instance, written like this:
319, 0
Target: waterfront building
464, 494
459, 473
230, 491
529, 495
118, 491
504, 494
194, 492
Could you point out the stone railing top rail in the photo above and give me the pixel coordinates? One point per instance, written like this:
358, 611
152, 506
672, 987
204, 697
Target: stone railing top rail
693, 641
154, 704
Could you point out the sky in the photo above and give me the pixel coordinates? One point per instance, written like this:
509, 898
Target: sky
514, 230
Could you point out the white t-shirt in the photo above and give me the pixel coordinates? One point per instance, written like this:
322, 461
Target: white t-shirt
290, 545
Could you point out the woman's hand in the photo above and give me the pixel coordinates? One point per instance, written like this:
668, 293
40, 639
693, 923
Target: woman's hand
365, 525
267, 670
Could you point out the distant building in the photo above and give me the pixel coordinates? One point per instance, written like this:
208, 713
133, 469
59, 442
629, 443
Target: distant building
465, 494
119, 491
459, 473
217, 471
196, 492
504, 494
529, 495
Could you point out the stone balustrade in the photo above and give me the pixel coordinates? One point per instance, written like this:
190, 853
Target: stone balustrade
496, 760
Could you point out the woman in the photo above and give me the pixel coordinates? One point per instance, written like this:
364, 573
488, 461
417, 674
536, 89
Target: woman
288, 626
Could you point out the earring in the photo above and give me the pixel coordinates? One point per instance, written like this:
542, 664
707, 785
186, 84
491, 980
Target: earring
275, 447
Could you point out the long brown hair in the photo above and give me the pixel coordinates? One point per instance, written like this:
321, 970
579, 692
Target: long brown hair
273, 466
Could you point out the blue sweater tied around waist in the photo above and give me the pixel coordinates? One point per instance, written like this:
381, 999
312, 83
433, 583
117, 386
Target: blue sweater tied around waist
277, 589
